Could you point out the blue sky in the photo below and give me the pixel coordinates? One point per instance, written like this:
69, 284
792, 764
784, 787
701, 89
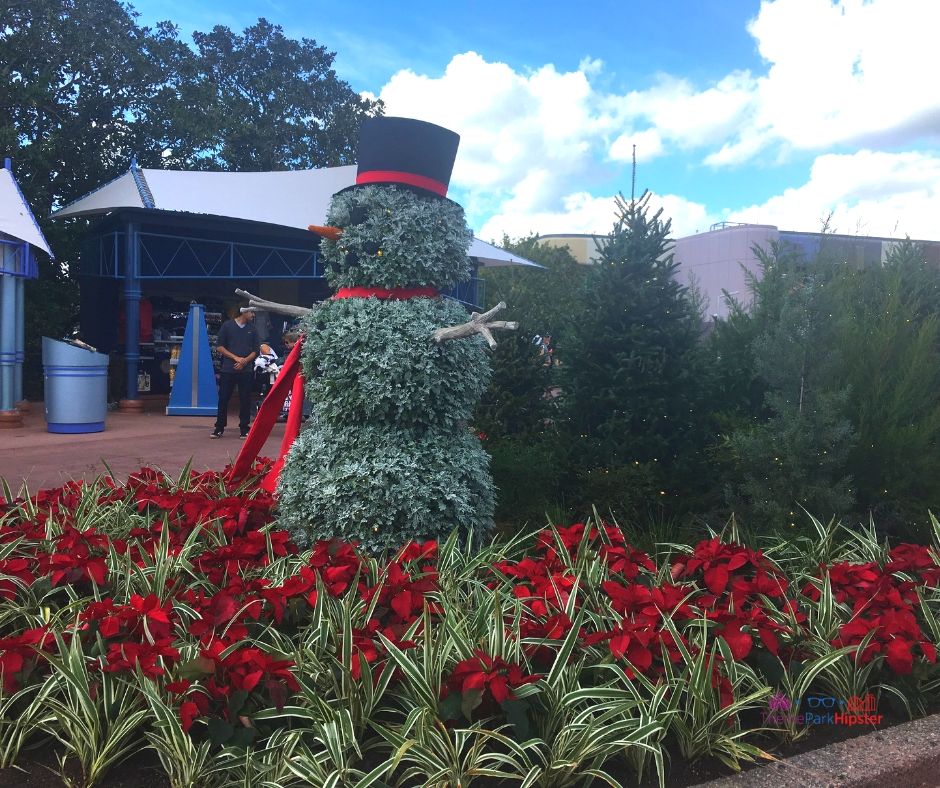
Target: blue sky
777, 112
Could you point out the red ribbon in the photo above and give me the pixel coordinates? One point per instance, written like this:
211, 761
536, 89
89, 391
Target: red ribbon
290, 380
408, 178
383, 293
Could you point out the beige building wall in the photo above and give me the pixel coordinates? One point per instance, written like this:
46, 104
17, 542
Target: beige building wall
584, 248
717, 263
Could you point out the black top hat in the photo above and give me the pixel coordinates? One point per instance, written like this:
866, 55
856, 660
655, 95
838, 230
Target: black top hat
406, 152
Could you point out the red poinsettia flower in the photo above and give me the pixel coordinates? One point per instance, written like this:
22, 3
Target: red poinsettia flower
717, 561
77, 557
19, 568
628, 599
625, 560
149, 657
917, 560
20, 653
492, 675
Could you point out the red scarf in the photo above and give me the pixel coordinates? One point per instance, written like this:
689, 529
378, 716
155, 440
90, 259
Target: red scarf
290, 380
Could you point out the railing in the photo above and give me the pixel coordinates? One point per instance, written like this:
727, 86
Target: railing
17, 259
186, 257
165, 256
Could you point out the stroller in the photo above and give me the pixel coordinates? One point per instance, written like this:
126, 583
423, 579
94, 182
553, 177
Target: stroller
267, 368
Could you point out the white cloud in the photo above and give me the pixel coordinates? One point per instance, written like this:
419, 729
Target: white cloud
677, 112
584, 213
847, 72
510, 124
538, 147
532, 143
649, 145
868, 193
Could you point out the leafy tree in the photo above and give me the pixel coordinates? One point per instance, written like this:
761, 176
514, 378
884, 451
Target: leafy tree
541, 302
75, 79
515, 403
632, 374
261, 101
83, 88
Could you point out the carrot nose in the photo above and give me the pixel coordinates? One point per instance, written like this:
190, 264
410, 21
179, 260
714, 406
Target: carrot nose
333, 233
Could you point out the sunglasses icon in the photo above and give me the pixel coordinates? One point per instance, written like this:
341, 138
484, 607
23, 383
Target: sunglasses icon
820, 701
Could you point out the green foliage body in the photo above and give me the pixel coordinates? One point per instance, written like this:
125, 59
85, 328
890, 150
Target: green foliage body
388, 455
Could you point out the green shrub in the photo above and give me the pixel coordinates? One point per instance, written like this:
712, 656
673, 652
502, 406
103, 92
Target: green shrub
527, 475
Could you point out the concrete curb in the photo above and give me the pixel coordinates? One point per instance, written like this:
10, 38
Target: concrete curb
904, 756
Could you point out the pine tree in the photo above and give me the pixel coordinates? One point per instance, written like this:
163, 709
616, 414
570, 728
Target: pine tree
793, 452
515, 404
632, 374
888, 327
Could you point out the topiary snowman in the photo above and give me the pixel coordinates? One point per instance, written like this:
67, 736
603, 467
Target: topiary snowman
387, 454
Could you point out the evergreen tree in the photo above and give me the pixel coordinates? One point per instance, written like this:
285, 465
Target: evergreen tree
516, 403
518, 412
793, 452
889, 329
632, 374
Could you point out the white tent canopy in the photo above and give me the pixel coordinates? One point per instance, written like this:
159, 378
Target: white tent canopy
16, 219
296, 198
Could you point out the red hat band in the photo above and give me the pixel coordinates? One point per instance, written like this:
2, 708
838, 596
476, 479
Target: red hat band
405, 178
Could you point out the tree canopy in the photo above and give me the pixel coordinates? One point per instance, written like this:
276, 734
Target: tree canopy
84, 88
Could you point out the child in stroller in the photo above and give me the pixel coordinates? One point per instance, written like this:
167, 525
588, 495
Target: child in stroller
267, 367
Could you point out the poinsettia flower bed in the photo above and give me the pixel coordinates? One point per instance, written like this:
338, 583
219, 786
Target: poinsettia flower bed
173, 614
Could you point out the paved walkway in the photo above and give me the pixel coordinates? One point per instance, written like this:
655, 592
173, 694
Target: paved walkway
43, 459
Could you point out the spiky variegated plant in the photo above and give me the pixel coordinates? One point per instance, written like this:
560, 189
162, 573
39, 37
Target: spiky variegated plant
387, 455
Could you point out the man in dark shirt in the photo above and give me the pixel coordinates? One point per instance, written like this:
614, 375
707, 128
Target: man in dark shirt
238, 345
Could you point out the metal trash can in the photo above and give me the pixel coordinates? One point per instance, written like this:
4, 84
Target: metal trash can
76, 387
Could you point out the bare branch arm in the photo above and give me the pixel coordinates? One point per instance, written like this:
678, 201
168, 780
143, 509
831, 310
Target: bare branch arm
478, 324
254, 302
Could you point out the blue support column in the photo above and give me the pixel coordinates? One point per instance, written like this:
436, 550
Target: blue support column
131, 315
9, 416
20, 338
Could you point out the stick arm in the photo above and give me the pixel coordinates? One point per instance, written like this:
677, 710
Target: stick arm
478, 324
255, 302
